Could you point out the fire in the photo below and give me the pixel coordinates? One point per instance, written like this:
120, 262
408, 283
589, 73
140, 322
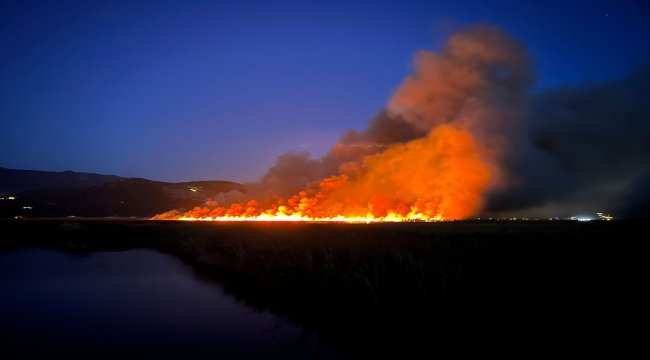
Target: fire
296, 218
431, 156
439, 177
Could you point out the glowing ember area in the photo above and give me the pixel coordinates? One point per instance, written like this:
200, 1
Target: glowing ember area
281, 217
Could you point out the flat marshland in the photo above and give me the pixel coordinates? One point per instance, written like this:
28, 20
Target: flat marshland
402, 288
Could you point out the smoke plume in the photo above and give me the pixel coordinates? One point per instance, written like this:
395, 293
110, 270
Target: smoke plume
598, 135
462, 136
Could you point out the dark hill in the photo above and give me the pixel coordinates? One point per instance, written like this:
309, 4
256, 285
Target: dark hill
13, 181
120, 197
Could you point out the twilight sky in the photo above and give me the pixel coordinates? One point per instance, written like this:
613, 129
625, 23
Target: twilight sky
197, 90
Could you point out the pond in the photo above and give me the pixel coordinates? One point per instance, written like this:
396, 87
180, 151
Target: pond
133, 303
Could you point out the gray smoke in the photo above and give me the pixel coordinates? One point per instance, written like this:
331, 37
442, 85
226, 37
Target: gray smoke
297, 171
597, 137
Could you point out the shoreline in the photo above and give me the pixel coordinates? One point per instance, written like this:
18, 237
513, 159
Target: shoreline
394, 287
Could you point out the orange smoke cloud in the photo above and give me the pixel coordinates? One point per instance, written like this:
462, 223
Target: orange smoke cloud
432, 156
439, 176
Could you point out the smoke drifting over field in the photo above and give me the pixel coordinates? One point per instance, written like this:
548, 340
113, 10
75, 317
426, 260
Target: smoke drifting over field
462, 136
599, 135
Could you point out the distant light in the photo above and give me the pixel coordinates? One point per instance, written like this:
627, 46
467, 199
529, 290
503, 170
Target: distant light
11, 198
27, 207
602, 216
582, 218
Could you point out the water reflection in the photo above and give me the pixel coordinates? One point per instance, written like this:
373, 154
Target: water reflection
135, 303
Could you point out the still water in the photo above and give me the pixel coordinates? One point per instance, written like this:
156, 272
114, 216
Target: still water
135, 303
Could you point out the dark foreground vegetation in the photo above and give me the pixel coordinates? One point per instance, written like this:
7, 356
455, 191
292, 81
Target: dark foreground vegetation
522, 288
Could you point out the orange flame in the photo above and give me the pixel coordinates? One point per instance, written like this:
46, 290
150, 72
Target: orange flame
439, 177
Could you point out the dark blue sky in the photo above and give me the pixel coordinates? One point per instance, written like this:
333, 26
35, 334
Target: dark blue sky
194, 90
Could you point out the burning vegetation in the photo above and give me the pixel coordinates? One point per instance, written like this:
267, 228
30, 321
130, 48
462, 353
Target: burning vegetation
432, 155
